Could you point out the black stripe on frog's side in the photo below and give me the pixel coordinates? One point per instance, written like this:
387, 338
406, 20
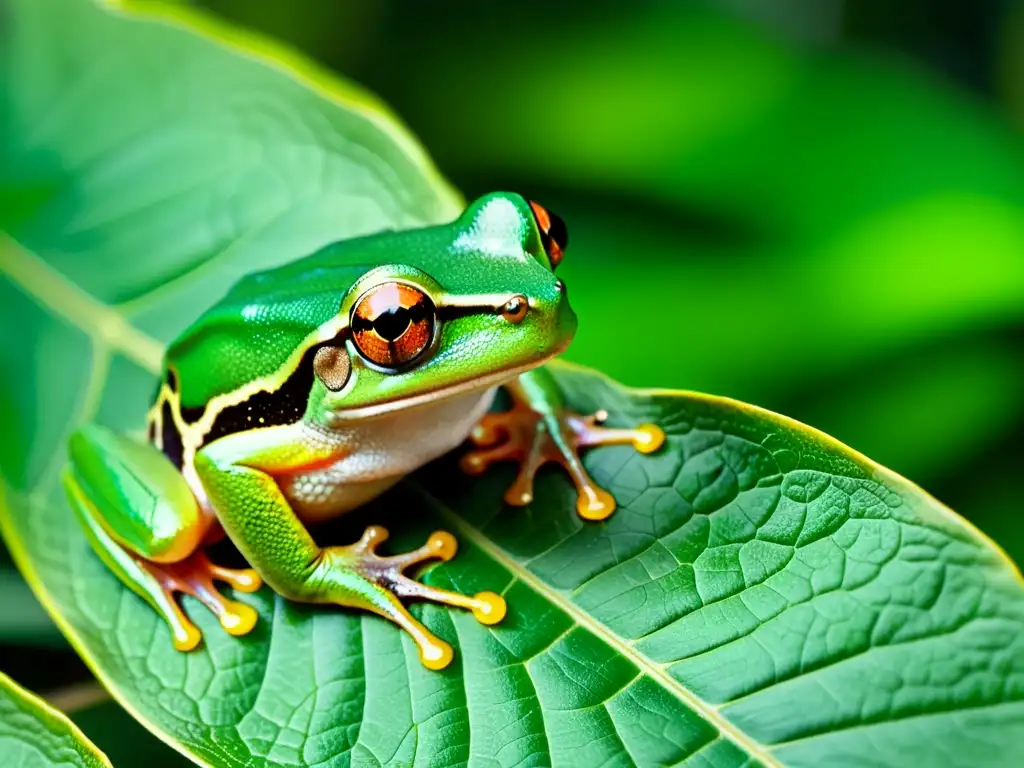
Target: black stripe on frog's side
285, 405
172, 445
189, 415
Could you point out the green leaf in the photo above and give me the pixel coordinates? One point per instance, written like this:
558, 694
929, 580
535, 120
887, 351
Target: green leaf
763, 596
35, 735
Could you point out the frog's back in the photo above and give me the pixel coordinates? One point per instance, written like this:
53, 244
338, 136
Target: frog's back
251, 332
263, 319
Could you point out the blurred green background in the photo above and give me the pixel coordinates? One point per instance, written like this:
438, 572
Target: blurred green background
816, 207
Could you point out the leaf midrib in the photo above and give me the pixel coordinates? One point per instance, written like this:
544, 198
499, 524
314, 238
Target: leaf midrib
53, 291
56, 293
655, 671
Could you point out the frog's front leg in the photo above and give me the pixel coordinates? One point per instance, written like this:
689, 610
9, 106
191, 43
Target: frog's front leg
239, 473
540, 429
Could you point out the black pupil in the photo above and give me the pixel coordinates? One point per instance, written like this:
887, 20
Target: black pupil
392, 323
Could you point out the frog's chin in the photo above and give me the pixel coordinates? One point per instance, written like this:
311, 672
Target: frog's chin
424, 399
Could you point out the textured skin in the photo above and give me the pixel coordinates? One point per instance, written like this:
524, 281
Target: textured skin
236, 474
331, 461
263, 442
252, 331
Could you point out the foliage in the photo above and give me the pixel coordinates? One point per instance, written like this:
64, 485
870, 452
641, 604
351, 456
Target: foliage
34, 735
765, 594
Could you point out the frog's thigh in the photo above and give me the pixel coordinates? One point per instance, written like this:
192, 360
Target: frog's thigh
136, 494
132, 508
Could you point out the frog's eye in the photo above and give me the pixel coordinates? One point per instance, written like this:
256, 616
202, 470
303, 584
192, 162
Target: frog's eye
554, 235
392, 324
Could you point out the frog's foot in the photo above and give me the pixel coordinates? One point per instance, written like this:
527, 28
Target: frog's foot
195, 576
385, 583
533, 438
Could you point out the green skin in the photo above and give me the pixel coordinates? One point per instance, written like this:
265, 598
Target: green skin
260, 474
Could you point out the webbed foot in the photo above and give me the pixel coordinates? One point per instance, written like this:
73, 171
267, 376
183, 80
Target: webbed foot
195, 576
535, 437
361, 578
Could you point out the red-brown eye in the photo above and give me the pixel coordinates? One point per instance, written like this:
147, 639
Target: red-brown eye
392, 324
554, 235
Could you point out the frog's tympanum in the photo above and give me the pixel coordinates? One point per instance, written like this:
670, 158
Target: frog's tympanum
311, 388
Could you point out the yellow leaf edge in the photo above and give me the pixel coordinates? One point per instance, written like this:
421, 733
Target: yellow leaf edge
330, 86
55, 718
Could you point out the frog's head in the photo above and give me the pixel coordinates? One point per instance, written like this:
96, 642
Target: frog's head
455, 308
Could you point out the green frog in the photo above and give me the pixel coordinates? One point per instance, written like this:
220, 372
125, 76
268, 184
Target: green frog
312, 388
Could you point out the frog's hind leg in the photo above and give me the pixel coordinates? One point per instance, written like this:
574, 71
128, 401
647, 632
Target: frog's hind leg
195, 576
141, 518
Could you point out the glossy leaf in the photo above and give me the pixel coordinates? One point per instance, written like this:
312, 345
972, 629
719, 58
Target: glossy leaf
763, 596
34, 735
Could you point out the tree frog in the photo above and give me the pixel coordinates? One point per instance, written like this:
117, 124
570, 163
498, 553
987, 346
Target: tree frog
313, 387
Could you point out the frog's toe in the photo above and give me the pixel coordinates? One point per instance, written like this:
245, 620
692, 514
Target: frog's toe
592, 501
645, 438
532, 439
195, 576
240, 579
184, 634
386, 586
490, 430
490, 608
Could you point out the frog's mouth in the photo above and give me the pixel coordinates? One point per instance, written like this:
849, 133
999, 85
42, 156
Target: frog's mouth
424, 399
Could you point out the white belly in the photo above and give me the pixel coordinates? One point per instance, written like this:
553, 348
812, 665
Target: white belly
377, 453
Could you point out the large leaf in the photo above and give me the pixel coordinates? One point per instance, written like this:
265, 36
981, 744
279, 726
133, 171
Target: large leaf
34, 735
764, 595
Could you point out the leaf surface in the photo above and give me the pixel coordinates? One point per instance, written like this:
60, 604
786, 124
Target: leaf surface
763, 596
35, 735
